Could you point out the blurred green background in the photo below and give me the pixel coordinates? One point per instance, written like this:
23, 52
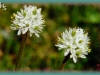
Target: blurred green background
40, 53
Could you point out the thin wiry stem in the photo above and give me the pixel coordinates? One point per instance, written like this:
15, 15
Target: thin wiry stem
18, 61
64, 62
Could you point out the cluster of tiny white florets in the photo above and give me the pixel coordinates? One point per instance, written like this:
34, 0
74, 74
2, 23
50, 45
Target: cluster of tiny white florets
29, 19
3, 6
74, 41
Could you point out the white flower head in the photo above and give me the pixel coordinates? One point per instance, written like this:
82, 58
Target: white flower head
74, 41
28, 19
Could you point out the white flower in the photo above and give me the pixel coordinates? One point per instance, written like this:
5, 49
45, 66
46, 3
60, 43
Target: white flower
29, 19
74, 41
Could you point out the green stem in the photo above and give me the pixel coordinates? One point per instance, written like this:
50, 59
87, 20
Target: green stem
18, 61
64, 62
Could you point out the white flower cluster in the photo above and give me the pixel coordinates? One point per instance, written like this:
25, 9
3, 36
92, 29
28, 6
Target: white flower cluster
74, 41
2, 6
29, 19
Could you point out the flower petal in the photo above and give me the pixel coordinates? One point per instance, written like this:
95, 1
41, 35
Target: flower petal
19, 32
82, 56
24, 30
30, 34
66, 53
74, 59
37, 34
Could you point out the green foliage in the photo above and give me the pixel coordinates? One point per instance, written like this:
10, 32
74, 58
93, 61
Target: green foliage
41, 53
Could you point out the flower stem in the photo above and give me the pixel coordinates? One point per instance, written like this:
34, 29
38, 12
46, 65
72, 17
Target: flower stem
18, 61
64, 62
